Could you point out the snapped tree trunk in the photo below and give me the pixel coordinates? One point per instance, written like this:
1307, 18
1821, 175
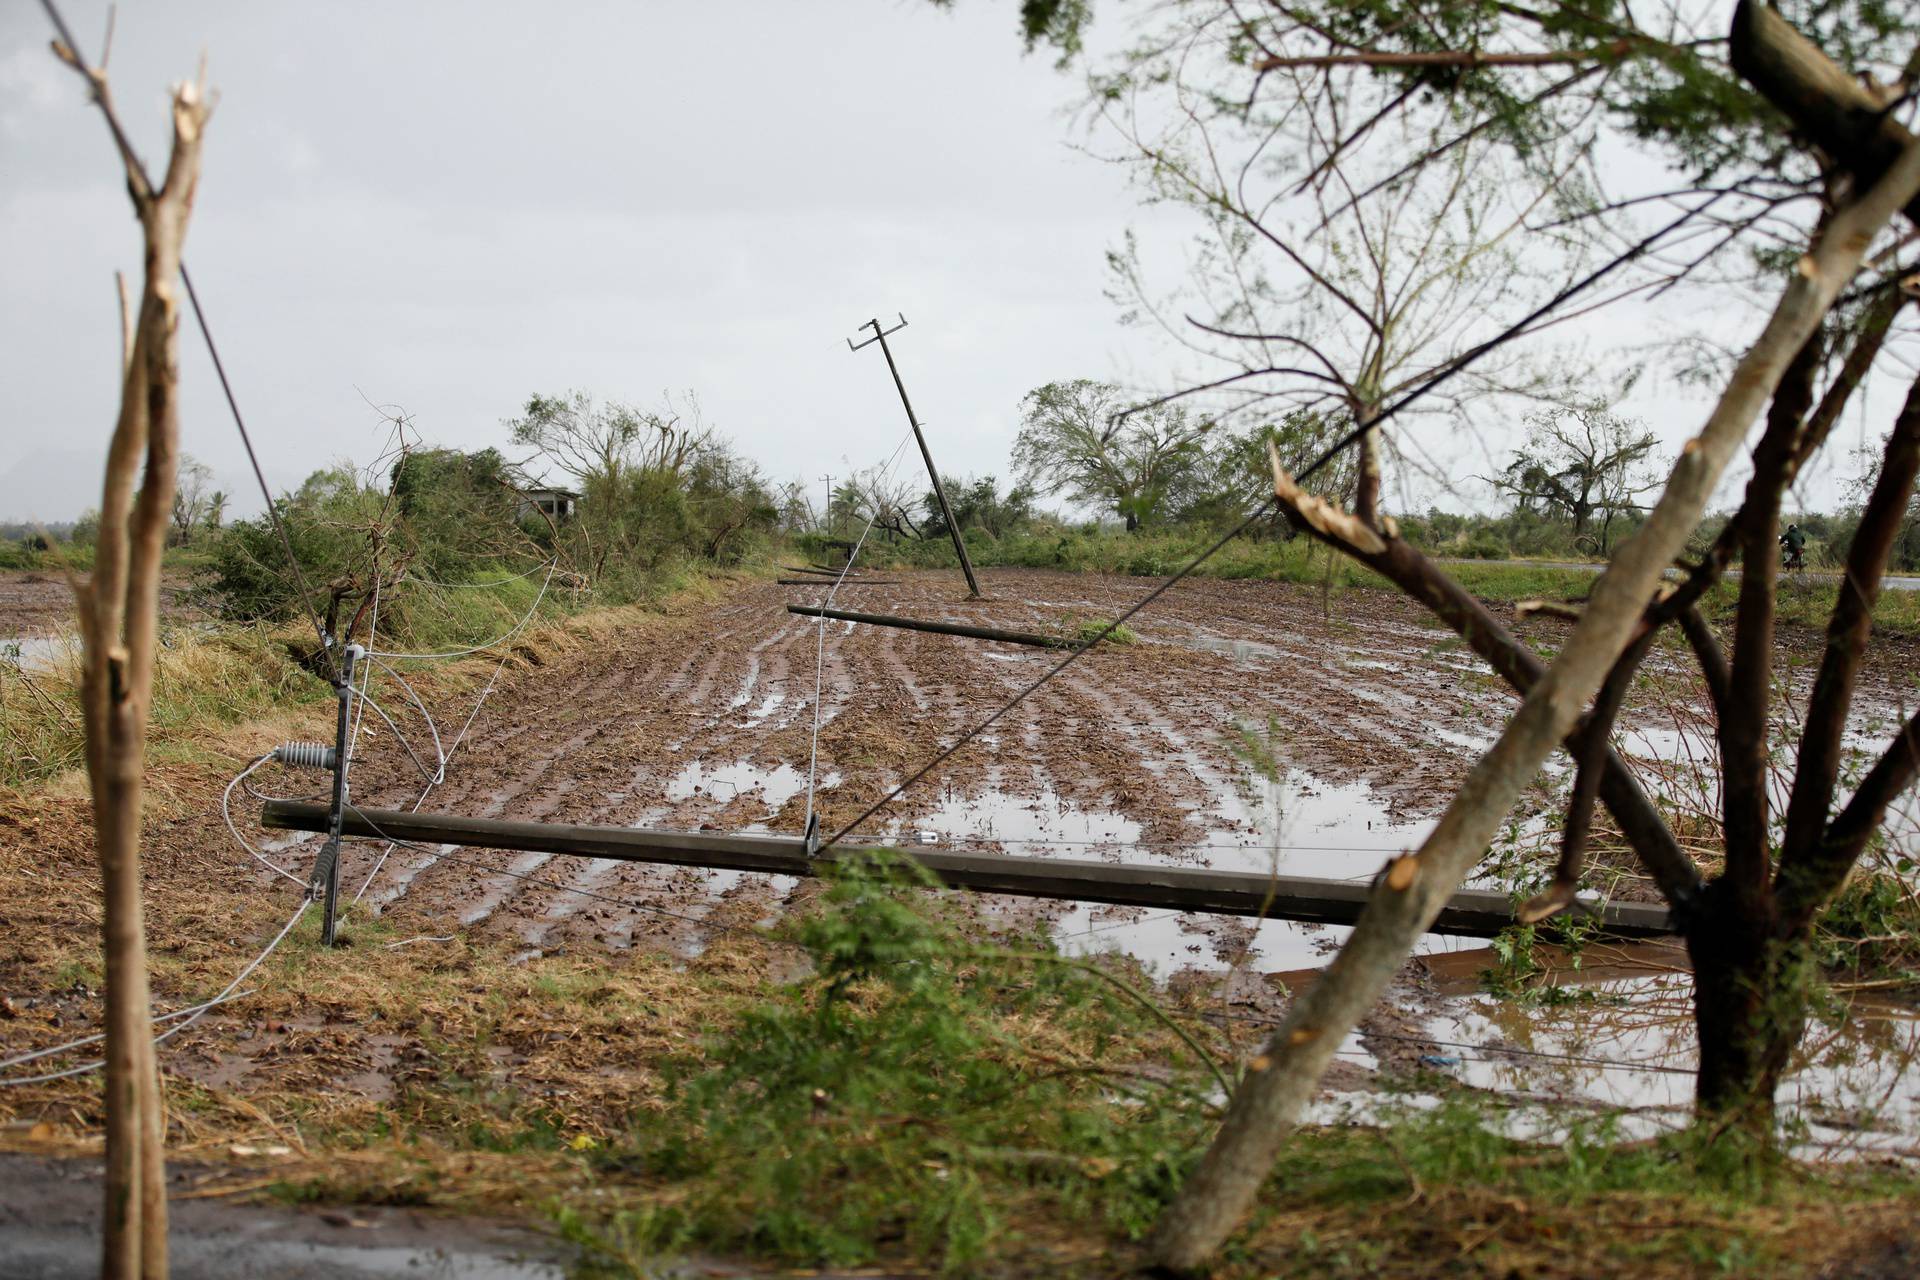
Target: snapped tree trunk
119, 619
1282, 1079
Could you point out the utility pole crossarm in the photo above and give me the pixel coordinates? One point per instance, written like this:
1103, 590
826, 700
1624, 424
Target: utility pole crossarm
933, 473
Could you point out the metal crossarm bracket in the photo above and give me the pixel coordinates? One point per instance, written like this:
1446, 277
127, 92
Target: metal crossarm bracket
878, 332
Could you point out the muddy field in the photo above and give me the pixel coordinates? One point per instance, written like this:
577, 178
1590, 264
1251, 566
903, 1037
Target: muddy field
1134, 753
702, 719
39, 605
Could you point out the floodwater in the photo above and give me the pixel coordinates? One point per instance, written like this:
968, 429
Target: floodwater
34, 654
1299, 826
1892, 582
1367, 720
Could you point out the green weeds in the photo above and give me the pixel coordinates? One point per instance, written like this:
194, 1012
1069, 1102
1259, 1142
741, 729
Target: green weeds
916, 1093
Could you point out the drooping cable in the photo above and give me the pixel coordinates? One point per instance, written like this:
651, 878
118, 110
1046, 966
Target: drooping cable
525, 618
820, 633
193, 1015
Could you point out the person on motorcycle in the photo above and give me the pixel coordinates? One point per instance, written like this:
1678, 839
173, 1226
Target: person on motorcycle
1795, 542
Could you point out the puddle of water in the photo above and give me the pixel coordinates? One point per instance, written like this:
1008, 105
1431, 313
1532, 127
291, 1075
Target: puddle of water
1241, 651
1632, 1047
723, 782
1683, 765
1301, 826
1167, 942
745, 695
1028, 825
36, 654
768, 705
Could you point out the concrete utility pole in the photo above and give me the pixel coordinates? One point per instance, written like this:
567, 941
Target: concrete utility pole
933, 473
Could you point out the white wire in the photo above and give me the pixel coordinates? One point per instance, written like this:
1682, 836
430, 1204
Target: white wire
451, 586
200, 1011
820, 635
404, 741
421, 707
6, 1063
194, 1013
502, 639
421, 799
226, 814
366, 681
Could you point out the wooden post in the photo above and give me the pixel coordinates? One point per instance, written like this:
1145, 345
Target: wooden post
1473, 912
938, 628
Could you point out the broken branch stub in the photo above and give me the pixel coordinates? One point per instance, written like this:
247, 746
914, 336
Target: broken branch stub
1320, 514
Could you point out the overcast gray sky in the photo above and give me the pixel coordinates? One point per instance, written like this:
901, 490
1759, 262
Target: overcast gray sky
451, 207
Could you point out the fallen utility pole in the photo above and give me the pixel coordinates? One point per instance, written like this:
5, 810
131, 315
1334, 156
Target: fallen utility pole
933, 473
828, 582
823, 571
1473, 912
939, 628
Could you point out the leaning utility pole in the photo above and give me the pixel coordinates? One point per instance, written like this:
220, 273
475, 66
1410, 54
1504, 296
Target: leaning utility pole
939, 491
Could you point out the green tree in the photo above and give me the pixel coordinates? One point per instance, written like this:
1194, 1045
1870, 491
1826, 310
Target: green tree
979, 504
1078, 439
1582, 464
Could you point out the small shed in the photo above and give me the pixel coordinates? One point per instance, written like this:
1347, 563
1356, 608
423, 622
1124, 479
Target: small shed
557, 504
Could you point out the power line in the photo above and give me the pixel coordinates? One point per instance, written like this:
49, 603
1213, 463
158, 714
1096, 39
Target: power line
193, 1015
480, 648
820, 641
1050, 673
131, 159
1453, 367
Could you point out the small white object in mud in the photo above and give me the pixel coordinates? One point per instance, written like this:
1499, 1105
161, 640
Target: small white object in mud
926, 837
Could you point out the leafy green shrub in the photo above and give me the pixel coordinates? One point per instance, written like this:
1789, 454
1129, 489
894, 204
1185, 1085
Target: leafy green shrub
899, 1094
1872, 927
1484, 545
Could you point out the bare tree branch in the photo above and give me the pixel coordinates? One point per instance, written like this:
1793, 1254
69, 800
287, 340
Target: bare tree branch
1810, 867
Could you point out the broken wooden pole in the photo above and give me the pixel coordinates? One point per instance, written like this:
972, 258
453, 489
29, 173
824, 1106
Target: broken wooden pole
822, 570
828, 582
926, 455
1473, 912
939, 628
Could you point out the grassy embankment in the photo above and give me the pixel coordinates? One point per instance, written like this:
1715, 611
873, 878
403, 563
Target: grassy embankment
213, 677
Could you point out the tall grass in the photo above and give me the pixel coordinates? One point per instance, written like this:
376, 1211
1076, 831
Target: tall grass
204, 681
